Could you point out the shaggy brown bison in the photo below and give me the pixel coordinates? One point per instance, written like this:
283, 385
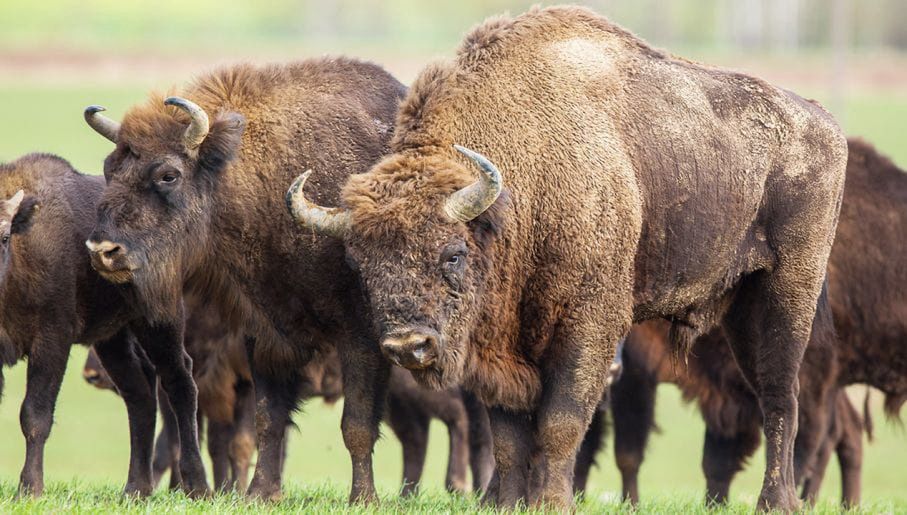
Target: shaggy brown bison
195, 202
635, 185
221, 374
51, 298
731, 411
866, 347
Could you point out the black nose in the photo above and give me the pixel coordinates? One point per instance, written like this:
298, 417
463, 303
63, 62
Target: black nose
413, 350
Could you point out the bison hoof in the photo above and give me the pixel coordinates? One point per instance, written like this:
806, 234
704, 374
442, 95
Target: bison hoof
264, 493
363, 496
782, 500
138, 491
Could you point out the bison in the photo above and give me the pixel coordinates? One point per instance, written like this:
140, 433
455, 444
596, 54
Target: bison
731, 412
635, 185
195, 203
863, 346
51, 298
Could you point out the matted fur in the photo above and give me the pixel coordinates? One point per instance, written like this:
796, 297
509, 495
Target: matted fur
639, 186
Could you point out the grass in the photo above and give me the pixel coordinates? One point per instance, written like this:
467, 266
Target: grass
77, 497
87, 453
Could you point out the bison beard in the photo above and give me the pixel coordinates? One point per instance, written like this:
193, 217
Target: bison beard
639, 186
193, 204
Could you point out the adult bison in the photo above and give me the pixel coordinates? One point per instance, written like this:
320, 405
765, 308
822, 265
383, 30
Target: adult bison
195, 202
709, 377
51, 299
637, 186
866, 347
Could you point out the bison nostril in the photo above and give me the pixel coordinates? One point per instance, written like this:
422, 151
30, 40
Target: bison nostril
112, 252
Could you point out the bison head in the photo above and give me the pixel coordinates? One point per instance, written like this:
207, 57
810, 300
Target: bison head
421, 237
15, 218
153, 217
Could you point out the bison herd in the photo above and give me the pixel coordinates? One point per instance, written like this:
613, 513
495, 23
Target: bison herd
477, 249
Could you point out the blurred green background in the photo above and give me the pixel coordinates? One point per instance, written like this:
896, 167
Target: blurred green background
56, 57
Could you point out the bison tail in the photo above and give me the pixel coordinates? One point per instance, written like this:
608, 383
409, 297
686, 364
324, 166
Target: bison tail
867, 415
893, 403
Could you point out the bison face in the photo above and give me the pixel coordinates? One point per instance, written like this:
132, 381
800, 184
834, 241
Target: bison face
153, 217
424, 290
423, 245
15, 219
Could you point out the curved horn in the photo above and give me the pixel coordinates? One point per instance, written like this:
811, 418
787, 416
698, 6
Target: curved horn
100, 123
471, 201
331, 221
198, 128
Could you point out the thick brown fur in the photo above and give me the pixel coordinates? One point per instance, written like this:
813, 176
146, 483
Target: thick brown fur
638, 186
865, 276
52, 298
221, 230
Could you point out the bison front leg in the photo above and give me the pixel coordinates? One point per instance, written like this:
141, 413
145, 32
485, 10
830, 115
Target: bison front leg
580, 355
275, 399
134, 379
365, 379
46, 364
512, 434
481, 456
163, 343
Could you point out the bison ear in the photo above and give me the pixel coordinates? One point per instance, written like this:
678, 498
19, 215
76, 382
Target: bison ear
490, 224
223, 141
24, 214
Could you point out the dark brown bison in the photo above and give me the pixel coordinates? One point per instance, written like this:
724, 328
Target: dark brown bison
635, 185
51, 298
195, 202
225, 400
731, 411
865, 347
865, 279
221, 373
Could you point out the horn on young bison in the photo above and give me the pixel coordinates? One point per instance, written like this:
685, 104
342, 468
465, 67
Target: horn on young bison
331, 221
198, 127
471, 201
100, 123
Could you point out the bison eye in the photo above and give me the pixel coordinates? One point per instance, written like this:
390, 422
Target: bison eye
167, 178
454, 260
5, 239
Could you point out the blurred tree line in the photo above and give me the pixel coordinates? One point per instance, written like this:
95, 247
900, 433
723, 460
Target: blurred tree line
418, 26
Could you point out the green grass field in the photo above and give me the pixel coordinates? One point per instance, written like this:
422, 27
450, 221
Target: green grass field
86, 456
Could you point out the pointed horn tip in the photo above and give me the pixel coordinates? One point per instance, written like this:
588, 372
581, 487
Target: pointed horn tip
296, 189
94, 108
174, 101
